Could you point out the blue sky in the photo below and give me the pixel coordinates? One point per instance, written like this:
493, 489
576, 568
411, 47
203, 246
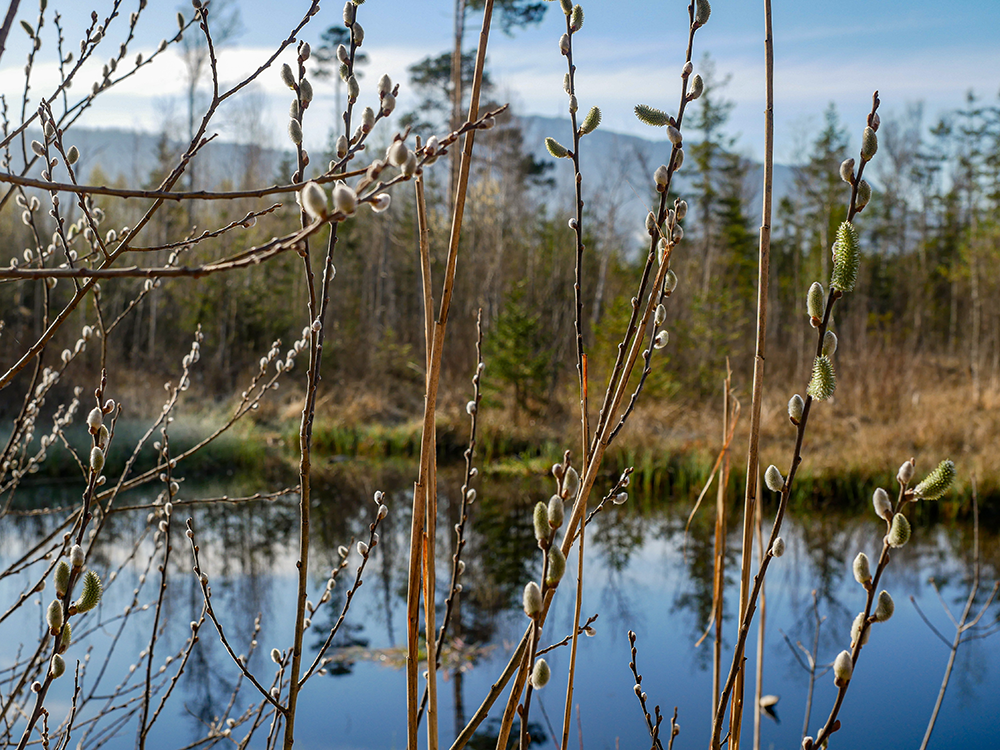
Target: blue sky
629, 51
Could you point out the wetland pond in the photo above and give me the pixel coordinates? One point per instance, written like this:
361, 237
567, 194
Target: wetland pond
642, 573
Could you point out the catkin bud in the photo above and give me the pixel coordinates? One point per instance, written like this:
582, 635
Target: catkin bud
343, 146
847, 171
697, 87
380, 202
345, 199
65, 638
61, 578
287, 77
882, 503
905, 473
869, 144
661, 177
567, 6
864, 194
359, 34
96, 460
275, 656
556, 512
540, 519
350, 13
678, 159
846, 258
95, 419
660, 315
702, 11
795, 407
778, 548
564, 44
91, 593
937, 482
363, 549
295, 132
661, 340
859, 631
669, 281
353, 88
76, 556
576, 19
384, 85
815, 303
843, 668
557, 566
367, 119
54, 616
541, 673
313, 200
773, 479
73, 155
305, 92
674, 135
410, 167
532, 599
571, 483
57, 666
885, 607
862, 569
829, 343
899, 532
824, 381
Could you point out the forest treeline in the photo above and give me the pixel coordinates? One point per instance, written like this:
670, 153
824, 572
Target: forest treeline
926, 292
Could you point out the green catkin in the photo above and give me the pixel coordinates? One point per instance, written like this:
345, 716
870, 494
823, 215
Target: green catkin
540, 519
899, 532
651, 115
91, 593
824, 381
591, 121
556, 149
937, 482
869, 144
846, 258
557, 566
815, 302
61, 578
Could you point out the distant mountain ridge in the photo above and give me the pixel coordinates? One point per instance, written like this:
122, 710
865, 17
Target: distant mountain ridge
617, 167
620, 168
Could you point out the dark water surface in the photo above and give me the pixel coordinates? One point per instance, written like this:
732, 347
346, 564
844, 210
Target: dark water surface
641, 574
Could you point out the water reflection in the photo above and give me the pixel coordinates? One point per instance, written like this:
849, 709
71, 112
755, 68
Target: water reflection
641, 574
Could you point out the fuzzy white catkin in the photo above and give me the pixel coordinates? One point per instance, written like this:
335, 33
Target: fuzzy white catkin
773, 479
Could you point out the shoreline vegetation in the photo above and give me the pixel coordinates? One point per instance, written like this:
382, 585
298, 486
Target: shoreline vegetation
672, 442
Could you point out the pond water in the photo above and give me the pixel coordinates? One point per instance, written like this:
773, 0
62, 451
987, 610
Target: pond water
641, 571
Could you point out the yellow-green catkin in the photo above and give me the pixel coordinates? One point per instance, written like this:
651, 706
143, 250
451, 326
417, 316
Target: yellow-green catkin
824, 381
846, 258
937, 482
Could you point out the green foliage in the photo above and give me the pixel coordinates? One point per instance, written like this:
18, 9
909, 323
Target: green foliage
518, 352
